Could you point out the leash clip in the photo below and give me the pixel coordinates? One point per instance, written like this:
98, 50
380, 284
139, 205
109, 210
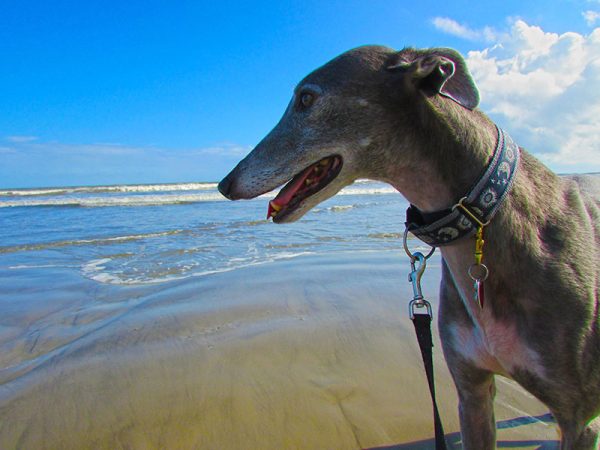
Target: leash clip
414, 277
418, 263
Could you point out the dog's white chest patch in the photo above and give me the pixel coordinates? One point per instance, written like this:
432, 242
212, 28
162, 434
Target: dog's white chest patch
497, 348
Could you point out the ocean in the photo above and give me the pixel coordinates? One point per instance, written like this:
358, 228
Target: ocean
140, 234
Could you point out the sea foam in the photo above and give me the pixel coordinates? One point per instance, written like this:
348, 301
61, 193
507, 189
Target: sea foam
144, 195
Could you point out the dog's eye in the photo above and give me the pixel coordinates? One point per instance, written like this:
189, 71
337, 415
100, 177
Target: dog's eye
306, 99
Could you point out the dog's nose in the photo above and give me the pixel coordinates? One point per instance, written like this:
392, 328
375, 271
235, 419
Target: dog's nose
225, 187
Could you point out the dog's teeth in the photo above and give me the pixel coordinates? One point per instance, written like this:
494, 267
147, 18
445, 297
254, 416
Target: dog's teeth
324, 162
308, 182
275, 207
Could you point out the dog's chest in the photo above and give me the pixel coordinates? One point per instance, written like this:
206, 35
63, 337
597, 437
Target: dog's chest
495, 346
488, 342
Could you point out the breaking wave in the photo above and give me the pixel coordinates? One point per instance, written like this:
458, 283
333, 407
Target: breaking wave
144, 195
167, 187
132, 200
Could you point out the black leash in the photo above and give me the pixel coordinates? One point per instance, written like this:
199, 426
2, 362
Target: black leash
422, 323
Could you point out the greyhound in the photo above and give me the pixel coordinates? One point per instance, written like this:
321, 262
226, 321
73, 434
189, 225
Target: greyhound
410, 118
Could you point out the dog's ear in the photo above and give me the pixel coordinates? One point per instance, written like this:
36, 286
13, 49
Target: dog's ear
439, 71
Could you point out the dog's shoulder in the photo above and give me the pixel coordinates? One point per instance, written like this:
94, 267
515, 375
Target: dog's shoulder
587, 188
583, 211
589, 184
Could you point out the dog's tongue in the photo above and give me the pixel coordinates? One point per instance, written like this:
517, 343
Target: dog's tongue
287, 192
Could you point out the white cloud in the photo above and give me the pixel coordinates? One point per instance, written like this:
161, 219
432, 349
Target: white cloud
454, 28
226, 149
20, 139
106, 149
30, 144
544, 88
591, 17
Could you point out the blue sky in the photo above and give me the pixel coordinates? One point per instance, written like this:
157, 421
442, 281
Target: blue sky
140, 92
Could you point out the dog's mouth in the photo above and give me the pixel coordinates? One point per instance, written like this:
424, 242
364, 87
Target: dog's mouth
308, 182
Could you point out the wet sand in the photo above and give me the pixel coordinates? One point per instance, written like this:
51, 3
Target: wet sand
316, 352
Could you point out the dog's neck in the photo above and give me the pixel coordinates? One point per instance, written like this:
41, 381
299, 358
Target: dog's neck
458, 147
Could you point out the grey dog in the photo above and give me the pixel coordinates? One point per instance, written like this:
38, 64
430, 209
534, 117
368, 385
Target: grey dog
410, 118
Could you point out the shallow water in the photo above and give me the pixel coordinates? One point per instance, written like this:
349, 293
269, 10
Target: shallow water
157, 233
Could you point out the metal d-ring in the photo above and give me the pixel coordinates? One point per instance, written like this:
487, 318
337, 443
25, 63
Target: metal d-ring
478, 272
415, 304
410, 254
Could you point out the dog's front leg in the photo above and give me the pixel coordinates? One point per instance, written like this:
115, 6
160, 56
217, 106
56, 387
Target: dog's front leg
476, 387
476, 393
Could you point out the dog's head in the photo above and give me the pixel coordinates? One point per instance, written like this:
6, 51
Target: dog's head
343, 121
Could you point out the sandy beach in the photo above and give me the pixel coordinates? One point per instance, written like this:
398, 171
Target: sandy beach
314, 352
